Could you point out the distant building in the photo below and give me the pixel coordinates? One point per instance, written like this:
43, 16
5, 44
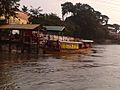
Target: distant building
21, 18
56, 33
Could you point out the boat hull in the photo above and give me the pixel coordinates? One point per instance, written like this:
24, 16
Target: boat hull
66, 47
67, 51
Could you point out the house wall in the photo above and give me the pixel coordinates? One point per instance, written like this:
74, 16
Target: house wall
18, 20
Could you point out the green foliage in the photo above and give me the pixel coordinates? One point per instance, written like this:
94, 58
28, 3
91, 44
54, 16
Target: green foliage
88, 23
36, 17
35, 11
66, 8
116, 26
8, 7
2, 21
24, 8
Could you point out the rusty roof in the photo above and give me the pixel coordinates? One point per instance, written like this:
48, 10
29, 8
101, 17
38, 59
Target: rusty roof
22, 15
20, 26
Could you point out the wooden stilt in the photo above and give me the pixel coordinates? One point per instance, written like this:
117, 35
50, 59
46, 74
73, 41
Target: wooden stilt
37, 45
30, 44
0, 41
22, 40
10, 41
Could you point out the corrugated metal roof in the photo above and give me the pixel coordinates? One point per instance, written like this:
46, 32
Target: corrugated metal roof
55, 28
20, 26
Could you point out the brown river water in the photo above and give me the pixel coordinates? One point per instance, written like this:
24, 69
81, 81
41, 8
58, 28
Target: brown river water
98, 69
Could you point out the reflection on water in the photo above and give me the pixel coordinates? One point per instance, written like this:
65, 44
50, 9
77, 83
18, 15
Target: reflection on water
98, 69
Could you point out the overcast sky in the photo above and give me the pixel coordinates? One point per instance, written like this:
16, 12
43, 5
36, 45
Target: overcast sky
111, 8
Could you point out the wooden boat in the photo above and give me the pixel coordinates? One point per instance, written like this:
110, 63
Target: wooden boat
67, 47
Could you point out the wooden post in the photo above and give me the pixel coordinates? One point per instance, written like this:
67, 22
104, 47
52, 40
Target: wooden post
37, 42
10, 41
30, 44
62, 36
58, 35
0, 40
21, 41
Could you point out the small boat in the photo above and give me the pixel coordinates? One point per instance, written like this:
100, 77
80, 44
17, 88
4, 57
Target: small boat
67, 47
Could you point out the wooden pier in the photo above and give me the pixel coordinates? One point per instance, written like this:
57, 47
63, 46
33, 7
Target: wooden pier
21, 37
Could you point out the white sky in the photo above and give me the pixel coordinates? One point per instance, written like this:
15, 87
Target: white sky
111, 8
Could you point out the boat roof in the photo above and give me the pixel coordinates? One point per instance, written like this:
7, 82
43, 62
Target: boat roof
71, 42
87, 41
20, 26
55, 28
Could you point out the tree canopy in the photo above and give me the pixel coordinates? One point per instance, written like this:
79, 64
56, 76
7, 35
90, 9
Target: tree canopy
36, 17
88, 23
8, 8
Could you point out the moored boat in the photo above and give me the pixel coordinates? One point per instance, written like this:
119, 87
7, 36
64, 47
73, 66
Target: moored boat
67, 47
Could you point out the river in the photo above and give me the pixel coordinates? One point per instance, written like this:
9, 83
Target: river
98, 69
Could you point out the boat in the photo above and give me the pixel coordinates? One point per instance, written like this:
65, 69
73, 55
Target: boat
67, 47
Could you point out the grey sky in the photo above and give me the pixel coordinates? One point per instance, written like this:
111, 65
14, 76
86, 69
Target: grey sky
111, 8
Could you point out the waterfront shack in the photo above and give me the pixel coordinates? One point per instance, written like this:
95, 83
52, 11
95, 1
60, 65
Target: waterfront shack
22, 37
54, 32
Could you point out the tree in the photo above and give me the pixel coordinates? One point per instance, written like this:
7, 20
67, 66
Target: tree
35, 14
66, 8
8, 8
97, 14
36, 17
24, 8
116, 26
35, 11
88, 23
104, 19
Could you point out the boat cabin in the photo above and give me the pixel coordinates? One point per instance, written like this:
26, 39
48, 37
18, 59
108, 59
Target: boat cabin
59, 45
70, 45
